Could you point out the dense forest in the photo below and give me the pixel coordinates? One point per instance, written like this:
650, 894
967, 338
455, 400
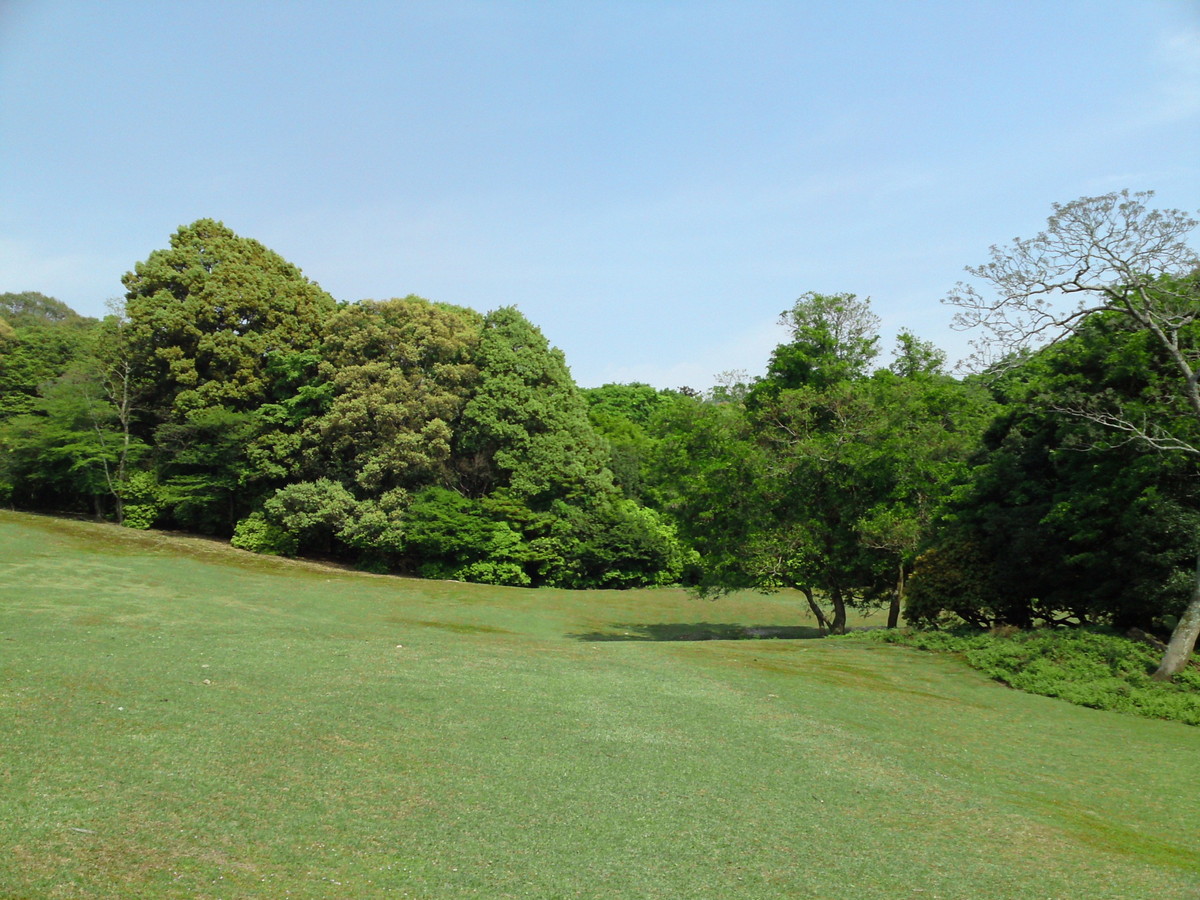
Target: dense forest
229, 395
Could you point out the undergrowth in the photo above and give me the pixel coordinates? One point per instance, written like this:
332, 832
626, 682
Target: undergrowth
1086, 666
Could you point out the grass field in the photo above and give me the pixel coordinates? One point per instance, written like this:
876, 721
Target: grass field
184, 720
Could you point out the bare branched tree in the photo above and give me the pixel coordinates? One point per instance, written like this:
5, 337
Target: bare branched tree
1100, 254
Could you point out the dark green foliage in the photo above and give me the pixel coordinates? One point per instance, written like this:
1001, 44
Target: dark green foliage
1088, 667
207, 482
1061, 521
230, 395
826, 477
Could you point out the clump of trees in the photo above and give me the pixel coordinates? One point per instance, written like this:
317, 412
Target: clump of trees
823, 474
1115, 259
228, 394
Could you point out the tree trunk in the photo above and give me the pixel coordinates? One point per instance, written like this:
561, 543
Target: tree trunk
838, 626
822, 622
894, 609
1183, 638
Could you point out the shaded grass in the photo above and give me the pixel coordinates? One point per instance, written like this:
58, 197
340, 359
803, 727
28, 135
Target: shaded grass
699, 631
182, 720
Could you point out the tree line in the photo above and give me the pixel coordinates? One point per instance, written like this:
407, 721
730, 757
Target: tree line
227, 394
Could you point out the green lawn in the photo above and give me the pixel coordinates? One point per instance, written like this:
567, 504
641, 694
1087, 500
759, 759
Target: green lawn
184, 720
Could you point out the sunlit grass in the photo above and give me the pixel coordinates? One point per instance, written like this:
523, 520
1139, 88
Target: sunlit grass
183, 720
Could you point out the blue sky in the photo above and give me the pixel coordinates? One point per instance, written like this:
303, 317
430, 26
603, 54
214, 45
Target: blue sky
652, 183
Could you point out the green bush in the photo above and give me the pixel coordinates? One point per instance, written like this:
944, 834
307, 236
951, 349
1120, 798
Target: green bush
1087, 666
454, 537
500, 573
256, 534
143, 501
311, 511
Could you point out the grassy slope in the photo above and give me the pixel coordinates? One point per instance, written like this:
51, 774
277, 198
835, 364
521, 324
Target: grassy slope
181, 720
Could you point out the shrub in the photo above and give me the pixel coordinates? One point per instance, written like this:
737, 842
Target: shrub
258, 535
1087, 666
143, 501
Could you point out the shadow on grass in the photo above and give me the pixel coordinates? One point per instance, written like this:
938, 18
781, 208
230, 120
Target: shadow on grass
700, 631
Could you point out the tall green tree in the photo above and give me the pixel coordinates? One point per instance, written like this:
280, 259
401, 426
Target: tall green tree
207, 313
399, 373
825, 479
526, 427
1063, 520
833, 338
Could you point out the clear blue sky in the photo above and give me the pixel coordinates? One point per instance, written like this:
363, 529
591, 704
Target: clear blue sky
650, 182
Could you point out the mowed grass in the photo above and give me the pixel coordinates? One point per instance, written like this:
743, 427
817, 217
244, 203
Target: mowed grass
183, 720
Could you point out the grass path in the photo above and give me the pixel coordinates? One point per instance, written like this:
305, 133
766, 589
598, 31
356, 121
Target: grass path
183, 720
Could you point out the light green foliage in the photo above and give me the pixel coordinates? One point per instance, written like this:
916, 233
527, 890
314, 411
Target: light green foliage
914, 357
453, 537
376, 527
833, 339
707, 472
64, 390
398, 373
258, 534
66, 450
634, 402
621, 414
611, 544
143, 500
32, 308
207, 313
